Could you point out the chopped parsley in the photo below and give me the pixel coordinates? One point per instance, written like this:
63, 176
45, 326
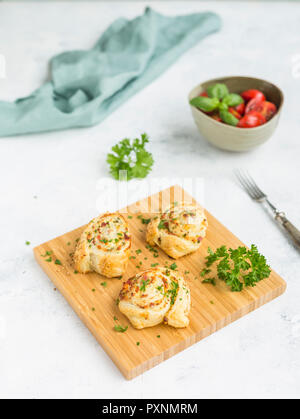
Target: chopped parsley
144, 284
49, 259
48, 253
104, 284
138, 251
173, 291
57, 262
211, 281
27, 243
162, 224
119, 328
154, 264
144, 220
173, 266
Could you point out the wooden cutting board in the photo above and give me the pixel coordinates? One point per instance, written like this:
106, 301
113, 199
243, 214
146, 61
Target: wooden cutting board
212, 307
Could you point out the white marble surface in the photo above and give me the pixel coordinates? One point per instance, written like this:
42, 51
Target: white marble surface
45, 351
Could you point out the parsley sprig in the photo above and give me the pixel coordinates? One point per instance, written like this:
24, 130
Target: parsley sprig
131, 156
238, 268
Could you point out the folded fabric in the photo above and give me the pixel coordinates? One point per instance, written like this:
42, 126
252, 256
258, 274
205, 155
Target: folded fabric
87, 86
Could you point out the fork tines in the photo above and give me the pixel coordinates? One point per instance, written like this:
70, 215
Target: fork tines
249, 184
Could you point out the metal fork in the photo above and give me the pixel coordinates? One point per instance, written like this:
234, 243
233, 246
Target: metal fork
258, 195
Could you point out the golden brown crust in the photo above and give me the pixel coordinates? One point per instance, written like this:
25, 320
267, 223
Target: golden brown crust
158, 295
179, 230
104, 246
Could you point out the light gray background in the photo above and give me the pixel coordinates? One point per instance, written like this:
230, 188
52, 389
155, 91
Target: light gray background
45, 349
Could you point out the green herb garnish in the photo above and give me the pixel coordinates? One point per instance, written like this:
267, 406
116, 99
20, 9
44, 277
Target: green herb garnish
104, 284
57, 262
162, 224
173, 291
211, 281
144, 220
119, 328
27, 243
238, 268
48, 253
144, 284
130, 156
173, 266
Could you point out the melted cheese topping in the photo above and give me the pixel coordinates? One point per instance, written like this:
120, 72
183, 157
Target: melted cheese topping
156, 289
185, 221
108, 233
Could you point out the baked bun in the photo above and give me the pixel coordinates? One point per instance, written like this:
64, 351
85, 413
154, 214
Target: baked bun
104, 246
155, 296
179, 230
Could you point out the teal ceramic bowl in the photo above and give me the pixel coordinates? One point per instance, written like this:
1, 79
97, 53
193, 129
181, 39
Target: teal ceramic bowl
232, 138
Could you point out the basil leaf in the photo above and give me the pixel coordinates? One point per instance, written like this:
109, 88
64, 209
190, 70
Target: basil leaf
223, 106
228, 118
233, 99
206, 104
218, 90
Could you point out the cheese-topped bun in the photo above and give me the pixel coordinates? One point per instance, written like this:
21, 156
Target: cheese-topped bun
179, 230
104, 246
155, 296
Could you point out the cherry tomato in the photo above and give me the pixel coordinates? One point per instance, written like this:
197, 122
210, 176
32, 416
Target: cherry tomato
251, 119
203, 94
253, 94
253, 105
240, 108
235, 113
265, 108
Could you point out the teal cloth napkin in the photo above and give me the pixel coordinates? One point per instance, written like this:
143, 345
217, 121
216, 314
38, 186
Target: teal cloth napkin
87, 86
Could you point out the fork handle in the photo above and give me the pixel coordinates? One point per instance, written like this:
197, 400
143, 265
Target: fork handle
289, 227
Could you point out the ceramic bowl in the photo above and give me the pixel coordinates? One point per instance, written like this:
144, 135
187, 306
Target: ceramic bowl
233, 138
